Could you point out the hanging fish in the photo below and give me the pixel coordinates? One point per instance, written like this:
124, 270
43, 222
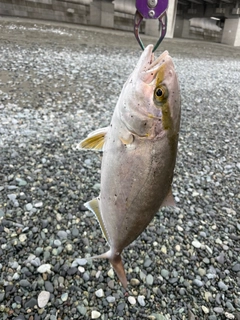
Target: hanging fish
139, 154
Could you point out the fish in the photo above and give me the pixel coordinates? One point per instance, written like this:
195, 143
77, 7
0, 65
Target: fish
139, 155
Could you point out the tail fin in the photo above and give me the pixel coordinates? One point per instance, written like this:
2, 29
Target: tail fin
116, 262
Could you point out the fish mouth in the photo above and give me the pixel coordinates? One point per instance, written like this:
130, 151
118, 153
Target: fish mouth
152, 67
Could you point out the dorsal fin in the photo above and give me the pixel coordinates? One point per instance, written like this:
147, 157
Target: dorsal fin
95, 140
93, 206
169, 200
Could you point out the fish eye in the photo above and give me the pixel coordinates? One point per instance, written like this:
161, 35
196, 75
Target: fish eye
160, 94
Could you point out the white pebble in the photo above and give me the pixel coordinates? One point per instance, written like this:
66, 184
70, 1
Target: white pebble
43, 298
98, 274
111, 299
81, 269
95, 314
178, 248
132, 300
196, 244
205, 309
64, 297
99, 293
111, 273
44, 268
141, 300
22, 237
164, 249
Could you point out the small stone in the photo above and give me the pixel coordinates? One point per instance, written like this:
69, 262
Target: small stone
164, 249
147, 263
178, 248
229, 315
24, 283
131, 300
207, 295
29, 207
198, 282
134, 282
218, 310
44, 268
111, 273
22, 237
57, 243
95, 314
201, 272
222, 286
236, 267
196, 244
141, 301
30, 303
111, 299
2, 296
81, 269
165, 273
149, 279
38, 204
49, 286
205, 309
64, 297
43, 298
79, 262
62, 234
99, 293
81, 309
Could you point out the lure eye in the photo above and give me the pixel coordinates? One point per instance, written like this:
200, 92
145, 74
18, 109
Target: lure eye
160, 94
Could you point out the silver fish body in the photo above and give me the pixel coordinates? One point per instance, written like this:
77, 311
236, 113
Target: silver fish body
139, 154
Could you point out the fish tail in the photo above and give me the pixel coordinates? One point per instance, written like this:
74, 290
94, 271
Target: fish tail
116, 262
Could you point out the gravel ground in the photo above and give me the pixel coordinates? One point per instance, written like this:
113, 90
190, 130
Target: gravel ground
58, 83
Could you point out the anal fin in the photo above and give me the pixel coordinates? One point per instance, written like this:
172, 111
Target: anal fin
169, 200
95, 140
93, 206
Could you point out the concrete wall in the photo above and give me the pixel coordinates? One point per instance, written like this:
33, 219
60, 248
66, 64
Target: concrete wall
231, 32
206, 35
178, 27
56, 10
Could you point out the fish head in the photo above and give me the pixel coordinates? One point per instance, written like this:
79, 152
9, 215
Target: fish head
151, 97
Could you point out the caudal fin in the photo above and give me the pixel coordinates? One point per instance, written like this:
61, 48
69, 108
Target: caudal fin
116, 262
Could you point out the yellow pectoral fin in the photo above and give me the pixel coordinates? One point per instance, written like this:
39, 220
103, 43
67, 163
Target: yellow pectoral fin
93, 206
95, 140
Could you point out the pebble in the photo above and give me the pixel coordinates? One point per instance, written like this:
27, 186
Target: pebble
44, 268
222, 286
111, 299
149, 279
131, 300
111, 273
196, 244
205, 309
95, 314
43, 298
82, 310
141, 300
198, 282
64, 296
134, 282
99, 293
236, 267
165, 273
